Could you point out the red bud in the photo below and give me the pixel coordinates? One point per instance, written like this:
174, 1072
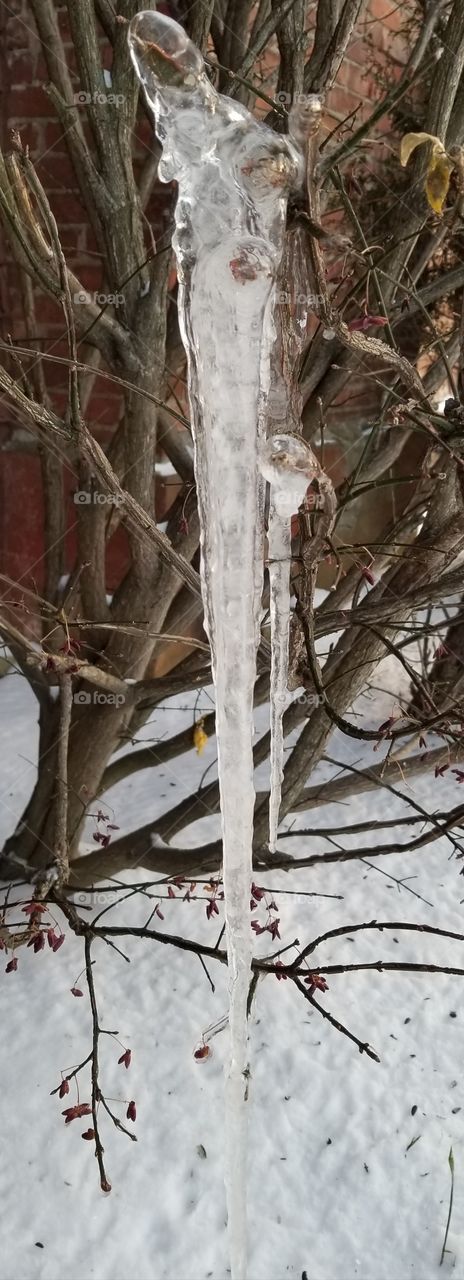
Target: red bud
316, 980
202, 1053
131, 1112
125, 1058
73, 1113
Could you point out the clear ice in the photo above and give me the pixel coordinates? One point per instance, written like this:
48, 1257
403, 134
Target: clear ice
287, 463
233, 179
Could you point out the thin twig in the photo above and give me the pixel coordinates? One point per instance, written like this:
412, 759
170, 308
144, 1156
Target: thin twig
96, 1095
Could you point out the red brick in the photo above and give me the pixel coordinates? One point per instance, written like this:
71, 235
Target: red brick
47, 309
67, 207
357, 52
103, 414
73, 241
55, 373
25, 104
22, 540
104, 387
340, 103
390, 13
51, 332
56, 171
27, 69
63, 23
357, 81
90, 276
52, 133
90, 241
17, 36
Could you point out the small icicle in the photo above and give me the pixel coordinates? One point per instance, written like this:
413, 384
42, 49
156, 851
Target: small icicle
279, 542
287, 462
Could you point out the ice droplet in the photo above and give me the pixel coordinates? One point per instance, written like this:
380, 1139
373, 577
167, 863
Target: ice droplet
287, 463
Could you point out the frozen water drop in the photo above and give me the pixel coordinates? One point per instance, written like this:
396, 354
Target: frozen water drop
287, 463
162, 49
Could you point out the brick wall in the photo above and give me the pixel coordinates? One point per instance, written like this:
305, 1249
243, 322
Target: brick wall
24, 105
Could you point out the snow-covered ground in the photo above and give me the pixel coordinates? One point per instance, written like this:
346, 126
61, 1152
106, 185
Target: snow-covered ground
345, 1181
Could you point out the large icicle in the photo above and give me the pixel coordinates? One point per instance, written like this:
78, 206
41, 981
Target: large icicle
233, 177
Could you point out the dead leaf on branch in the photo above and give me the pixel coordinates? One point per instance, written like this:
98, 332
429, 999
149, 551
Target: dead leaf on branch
439, 168
200, 738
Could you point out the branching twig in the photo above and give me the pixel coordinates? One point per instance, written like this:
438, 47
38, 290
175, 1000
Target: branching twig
96, 1095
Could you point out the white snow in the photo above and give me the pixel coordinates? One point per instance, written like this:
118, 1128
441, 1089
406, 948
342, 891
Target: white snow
313, 1204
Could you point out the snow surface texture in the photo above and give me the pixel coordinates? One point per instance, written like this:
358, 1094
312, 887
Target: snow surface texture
333, 1188
234, 176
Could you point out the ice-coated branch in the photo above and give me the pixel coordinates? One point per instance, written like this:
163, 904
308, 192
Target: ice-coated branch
233, 176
